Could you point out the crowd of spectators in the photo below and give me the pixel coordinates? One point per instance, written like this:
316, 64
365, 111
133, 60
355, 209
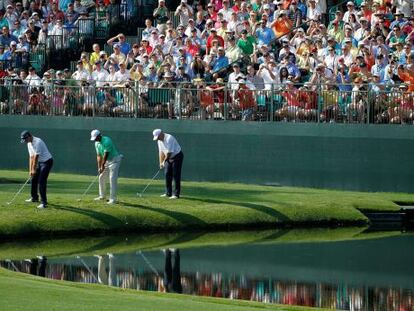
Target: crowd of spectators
251, 53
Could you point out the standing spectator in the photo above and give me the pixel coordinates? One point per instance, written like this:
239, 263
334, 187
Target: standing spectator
161, 16
171, 160
246, 43
109, 160
185, 12
40, 164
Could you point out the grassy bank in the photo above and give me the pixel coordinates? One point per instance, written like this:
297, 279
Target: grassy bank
88, 246
208, 206
25, 292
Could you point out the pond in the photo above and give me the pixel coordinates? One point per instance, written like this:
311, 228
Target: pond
372, 272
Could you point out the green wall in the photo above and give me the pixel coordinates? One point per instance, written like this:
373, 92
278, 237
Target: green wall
342, 156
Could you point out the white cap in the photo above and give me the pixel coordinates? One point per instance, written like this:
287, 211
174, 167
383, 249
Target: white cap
156, 133
94, 134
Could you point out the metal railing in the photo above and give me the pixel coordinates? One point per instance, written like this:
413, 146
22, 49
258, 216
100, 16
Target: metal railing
202, 101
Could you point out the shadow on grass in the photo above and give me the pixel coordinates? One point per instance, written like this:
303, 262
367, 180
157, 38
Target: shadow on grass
102, 217
178, 216
257, 207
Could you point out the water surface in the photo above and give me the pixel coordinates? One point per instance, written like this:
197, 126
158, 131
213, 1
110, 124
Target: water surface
356, 274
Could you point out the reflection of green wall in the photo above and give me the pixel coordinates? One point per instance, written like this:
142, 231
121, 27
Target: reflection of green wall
377, 262
344, 156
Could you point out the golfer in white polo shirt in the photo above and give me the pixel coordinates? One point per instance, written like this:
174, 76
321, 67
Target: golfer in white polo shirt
171, 160
40, 164
109, 161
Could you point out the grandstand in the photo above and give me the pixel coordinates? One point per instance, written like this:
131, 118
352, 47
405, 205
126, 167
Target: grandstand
292, 60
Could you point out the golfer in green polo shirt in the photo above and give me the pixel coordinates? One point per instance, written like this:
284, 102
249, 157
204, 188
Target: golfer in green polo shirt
109, 161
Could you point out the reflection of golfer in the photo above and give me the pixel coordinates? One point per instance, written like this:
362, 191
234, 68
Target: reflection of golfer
103, 277
40, 164
109, 161
172, 273
34, 265
171, 159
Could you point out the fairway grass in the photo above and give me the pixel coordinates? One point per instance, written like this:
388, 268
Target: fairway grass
25, 292
203, 206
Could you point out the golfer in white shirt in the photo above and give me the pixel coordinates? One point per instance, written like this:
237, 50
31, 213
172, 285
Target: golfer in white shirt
40, 164
171, 160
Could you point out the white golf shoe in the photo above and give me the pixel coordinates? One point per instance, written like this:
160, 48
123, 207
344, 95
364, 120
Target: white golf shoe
164, 195
110, 202
99, 199
41, 206
173, 197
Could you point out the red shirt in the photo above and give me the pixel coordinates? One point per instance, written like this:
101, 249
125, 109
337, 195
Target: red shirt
211, 38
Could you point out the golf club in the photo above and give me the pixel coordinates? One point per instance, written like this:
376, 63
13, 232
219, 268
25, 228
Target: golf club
89, 187
18, 192
150, 182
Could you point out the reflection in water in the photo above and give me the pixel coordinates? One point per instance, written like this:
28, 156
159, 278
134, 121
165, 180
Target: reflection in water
103, 269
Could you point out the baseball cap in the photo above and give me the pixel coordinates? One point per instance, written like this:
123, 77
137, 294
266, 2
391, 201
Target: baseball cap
94, 134
156, 133
24, 135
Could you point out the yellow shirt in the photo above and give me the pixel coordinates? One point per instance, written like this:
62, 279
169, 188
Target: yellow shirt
93, 58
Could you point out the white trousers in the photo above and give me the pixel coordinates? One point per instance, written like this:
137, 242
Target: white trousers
111, 171
103, 277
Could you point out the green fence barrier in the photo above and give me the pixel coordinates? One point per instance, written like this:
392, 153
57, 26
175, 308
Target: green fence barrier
355, 156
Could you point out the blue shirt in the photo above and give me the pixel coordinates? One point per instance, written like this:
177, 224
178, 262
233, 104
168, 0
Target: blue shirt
124, 47
5, 41
220, 62
379, 70
264, 35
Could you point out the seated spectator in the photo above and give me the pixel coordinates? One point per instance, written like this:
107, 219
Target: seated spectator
6, 38
124, 46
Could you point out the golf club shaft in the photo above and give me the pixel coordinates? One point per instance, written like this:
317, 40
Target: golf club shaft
150, 182
20, 190
90, 186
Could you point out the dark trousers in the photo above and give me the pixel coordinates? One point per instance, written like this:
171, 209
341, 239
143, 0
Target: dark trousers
172, 273
34, 265
172, 171
39, 180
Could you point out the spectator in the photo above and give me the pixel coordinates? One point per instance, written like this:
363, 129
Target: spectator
221, 61
185, 12
246, 43
161, 16
124, 46
6, 38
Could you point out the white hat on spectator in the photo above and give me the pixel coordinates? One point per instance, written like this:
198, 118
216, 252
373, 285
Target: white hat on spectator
102, 53
183, 1
9, 6
266, 6
34, 14
13, 43
347, 40
159, 1
363, 3
213, 29
363, 19
300, 30
350, 3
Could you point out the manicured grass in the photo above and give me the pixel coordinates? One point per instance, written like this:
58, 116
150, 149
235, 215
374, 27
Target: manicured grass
25, 292
203, 206
88, 246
